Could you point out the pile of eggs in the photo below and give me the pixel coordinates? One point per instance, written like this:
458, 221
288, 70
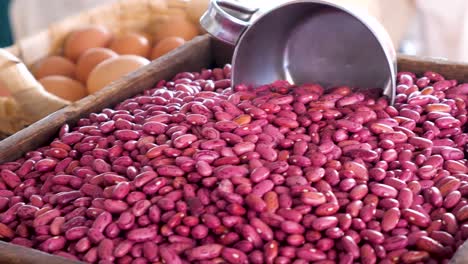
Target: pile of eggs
93, 56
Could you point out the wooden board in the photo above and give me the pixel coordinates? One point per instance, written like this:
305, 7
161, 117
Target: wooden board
450, 70
202, 52
13, 254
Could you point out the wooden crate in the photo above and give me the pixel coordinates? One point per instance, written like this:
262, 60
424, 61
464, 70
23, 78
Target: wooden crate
202, 52
122, 16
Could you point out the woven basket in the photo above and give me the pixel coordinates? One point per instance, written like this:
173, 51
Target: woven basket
24, 108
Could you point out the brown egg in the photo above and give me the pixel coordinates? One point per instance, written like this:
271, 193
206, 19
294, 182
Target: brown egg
131, 44
112, 69
85, 38
196, 8
166, 45
54, 65
3, 90
176, 26
64, 87
89, 59
148, 36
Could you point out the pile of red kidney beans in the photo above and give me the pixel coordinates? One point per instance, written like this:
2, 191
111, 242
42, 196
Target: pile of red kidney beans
194, 171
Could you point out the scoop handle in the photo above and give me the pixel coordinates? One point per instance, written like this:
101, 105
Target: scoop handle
32, 99
226, 20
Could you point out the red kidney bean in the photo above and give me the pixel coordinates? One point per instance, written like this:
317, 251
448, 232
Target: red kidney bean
290, 214
350, 246
46, 217
413, 237
313, 198
191, 160
255, 202
170, 171
56, 226
143, 178
434, 196
367, 212
358, 192
154, 185
452, 199
115, 206
390, 219
395, 183
150, 251
10, 178
205, 252
67, 197
443, 237
199, 231
389, 203
169, 256
372, 236
415, 217
326, 222
405, 198
95, 235
414, 256
76, 233
140, 207
105, 249
234, 256
262, 229
368, 254
395, 242
325, 244
141, 234
126, 220
383, 190
263, 187
24, 211
102, 221
126, 134
259, 174
53, 244
430, 245
251, 235
462, 213
43, 165
5, 231
310, 254
122, 248
256, 257
91, 255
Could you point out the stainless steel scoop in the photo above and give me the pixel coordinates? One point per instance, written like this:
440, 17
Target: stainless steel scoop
302, 42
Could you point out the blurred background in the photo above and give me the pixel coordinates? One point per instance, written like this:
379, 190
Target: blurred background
6, 37
417, 27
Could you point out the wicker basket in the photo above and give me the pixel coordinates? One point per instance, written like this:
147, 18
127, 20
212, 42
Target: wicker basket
18, 111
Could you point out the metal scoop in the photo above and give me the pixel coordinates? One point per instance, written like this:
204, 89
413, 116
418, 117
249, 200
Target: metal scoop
303, 42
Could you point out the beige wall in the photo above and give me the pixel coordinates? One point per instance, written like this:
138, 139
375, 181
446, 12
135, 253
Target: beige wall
443, 32
30, 16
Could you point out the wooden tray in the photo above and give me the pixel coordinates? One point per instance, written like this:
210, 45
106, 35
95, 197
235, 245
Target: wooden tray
202, 52
122, 16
